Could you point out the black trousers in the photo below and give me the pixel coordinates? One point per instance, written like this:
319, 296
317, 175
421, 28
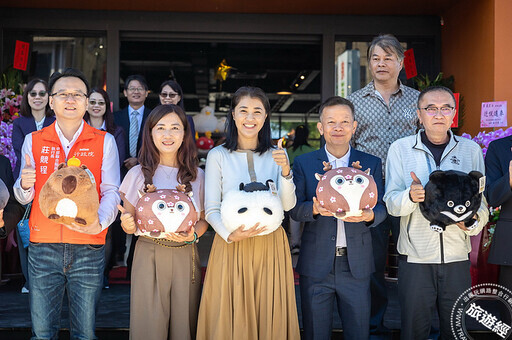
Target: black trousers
505, 278
424, 287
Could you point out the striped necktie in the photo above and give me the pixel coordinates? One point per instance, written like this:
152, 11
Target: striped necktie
134, 133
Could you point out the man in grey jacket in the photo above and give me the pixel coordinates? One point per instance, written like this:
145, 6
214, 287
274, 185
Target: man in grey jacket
434, 267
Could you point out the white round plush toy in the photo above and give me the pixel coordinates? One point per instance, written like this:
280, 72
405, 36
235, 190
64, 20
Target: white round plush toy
253, 203
206, 120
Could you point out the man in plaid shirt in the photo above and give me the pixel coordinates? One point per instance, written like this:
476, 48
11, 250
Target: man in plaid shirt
386, 111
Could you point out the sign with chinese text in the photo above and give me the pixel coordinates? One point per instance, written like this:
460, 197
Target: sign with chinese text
410, 64
455, 123
21, 55
494, 114
347, 73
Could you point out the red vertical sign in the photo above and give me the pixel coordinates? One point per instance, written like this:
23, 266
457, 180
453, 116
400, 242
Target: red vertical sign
455, 123
410, 64
21, 55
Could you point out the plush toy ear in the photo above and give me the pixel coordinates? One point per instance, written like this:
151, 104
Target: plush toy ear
267, 183
62, 165
479, 178
241, 187
141, 193
475, 175
436, 175
367, 171
318, 176
83, 166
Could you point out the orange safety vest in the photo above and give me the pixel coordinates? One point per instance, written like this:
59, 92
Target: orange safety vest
48, 154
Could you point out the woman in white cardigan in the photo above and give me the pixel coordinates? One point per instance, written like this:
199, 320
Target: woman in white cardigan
249, 287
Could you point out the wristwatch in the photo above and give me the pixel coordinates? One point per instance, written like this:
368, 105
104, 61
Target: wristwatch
290, 175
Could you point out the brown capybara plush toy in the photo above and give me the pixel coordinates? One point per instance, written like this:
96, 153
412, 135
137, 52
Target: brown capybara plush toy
69, 196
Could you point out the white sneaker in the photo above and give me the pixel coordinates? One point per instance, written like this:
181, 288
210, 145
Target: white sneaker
24, 290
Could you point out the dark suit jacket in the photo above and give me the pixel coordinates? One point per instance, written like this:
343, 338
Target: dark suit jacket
13, 212
498, 193
122, 119
318, 244
22, 126
119, 136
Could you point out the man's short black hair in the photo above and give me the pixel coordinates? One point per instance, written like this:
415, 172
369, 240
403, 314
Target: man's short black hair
69, 72
138, 77
336, 100
436, 88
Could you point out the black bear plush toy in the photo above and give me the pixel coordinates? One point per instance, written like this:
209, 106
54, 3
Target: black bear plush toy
452, 197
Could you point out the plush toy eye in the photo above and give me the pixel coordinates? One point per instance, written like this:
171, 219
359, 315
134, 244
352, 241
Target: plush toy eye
161, 206
467, 204
180, 206
242, 210
340, 180
359, 179
450, 204
267, 210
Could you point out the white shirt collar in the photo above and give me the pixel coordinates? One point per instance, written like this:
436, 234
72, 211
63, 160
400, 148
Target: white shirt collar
338, 162
39, 124
140, 110
66, 144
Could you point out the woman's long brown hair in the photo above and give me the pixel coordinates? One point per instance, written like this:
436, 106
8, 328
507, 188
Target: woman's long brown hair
149, 157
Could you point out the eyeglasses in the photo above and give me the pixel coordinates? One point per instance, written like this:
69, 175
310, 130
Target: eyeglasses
34, 94
168, 95
432, 110
94, 102
66, 95
136, 89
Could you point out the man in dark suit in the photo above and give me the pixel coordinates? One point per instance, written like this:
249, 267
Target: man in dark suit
336, 257
498, 168
131, 119
136, 91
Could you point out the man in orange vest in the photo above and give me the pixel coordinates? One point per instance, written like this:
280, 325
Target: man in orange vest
65, 257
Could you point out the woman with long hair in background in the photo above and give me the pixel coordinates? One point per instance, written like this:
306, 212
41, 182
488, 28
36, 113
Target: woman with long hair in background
35, 113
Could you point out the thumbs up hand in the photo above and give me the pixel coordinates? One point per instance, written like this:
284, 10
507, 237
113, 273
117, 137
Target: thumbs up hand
281, 158
127, 220
28, 174
417, 192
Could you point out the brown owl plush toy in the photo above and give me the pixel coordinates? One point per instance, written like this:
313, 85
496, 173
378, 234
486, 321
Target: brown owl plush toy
346, 190
165, 211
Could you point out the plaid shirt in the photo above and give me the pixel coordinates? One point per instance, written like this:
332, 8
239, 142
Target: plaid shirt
380, 125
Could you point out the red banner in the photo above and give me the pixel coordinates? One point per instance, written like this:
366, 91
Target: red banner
410, 64
455, 123
21, 55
